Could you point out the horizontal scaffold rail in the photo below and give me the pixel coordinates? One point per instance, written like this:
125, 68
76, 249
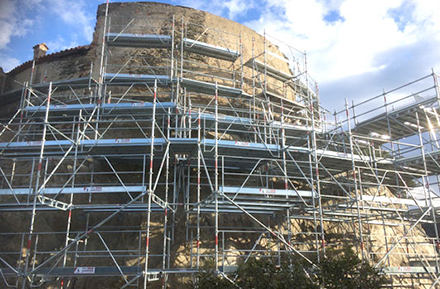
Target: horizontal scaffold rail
87, 208
78, 190
265, 192
139, 40
129, 79
115, 108
179, 145
403, 121
269, 70
210, 50
101, 271
409, 270
416, 162
106, 271
210, 88
255, 200
77, 82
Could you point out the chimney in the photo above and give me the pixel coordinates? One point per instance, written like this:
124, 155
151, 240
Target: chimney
40, 50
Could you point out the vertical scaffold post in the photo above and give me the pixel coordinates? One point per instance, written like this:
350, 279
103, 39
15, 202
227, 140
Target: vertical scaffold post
182, 43
315, 156
101, 78
265, 62
434, 211
353, 168
314, 196
388, 119
216, 176
31, 77
241, 64
23, 104
436, 85
422, 150
286, 178
199, 152
167, 189
189, 115
150, 184
172, 50
283, 147
69, 217
254, 116
36, 191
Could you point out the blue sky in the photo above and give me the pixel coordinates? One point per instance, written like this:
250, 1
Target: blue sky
355, 48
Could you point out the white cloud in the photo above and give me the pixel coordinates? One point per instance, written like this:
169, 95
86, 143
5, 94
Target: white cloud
10, 22
74, 14
213, 7
352, 45
60, 43
231, 9
19, 18
8, 63
235, 8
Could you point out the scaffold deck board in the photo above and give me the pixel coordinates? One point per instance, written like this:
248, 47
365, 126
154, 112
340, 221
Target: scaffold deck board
81, 82
265, 191
99, 271
402, 121
78, 190
269, 70
410, 270
209, 88
129, 79
274, 96
138, 40
114, 108
416, 162
179, 145
210, 50
89, 208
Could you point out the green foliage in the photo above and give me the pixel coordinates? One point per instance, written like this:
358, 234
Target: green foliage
339, 270
208, 279
264, 273
346, 270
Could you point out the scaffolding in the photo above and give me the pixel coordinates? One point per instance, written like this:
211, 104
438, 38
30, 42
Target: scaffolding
165, 161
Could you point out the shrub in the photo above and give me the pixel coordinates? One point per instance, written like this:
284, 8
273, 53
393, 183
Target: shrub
339, 270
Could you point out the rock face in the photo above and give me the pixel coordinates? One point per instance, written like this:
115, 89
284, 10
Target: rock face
177, 138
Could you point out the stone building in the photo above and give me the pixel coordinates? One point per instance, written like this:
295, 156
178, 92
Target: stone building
178, 138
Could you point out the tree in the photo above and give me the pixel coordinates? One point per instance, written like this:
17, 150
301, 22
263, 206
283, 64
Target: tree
339, 270
207, 278
346, 270
265, 273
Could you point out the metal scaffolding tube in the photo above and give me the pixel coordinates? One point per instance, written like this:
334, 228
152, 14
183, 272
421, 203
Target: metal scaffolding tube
356, 189
247, 140
37, 189
150, 188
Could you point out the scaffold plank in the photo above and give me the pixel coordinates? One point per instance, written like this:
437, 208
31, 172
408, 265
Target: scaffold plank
100, 271
402, 120
266, 192
128, 79
114, 108
210, 50
269, 70
138, 40
432, 161
209, 88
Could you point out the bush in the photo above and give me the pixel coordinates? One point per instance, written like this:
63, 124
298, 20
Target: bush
339, 270
208, 279
264, 273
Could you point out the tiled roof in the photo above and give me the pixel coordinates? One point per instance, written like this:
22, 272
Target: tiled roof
80, 50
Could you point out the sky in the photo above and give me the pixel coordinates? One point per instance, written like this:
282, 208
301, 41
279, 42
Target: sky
355, 48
